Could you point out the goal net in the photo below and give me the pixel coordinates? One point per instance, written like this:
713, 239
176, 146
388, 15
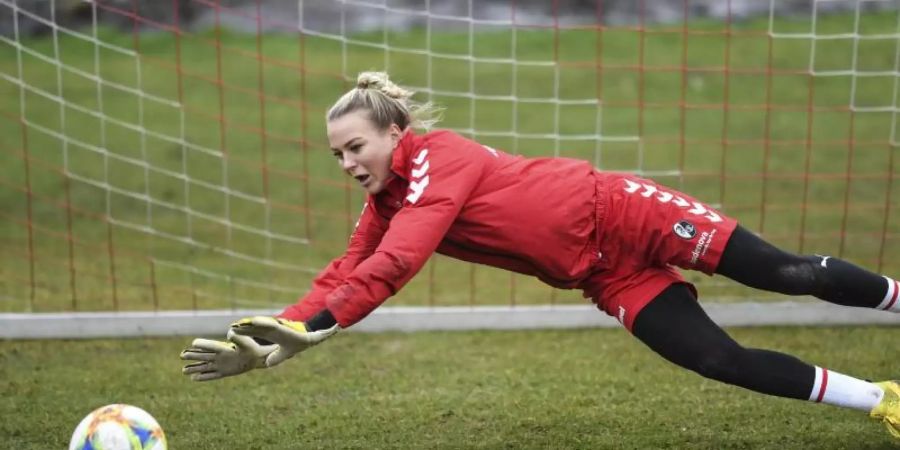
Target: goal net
171, 156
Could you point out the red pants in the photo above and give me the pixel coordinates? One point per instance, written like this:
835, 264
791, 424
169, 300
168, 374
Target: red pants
646, 229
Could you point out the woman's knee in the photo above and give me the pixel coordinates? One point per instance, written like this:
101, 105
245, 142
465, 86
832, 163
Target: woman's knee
802, 275
754, 262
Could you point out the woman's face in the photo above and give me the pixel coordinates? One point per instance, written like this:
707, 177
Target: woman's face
363, 151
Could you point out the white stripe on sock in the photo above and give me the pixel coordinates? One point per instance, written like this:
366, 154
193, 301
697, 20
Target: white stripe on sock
838, 389
817, 385
891, 302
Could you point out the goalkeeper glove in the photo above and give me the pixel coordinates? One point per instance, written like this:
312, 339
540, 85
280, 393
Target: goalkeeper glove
219, 359
292, 337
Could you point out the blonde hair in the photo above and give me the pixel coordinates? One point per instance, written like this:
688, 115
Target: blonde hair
386, 102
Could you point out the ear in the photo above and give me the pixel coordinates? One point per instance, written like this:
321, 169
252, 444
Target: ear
396, 133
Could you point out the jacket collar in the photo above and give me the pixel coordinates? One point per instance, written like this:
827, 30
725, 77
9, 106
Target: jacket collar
403, 153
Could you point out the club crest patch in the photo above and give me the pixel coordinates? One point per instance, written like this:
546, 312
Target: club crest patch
685, 230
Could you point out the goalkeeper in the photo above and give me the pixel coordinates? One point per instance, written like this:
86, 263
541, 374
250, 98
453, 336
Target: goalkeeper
614, 236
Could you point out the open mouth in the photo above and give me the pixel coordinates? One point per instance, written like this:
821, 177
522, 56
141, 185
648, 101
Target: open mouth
363, 179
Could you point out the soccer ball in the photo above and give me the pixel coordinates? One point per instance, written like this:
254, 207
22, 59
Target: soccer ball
118, 427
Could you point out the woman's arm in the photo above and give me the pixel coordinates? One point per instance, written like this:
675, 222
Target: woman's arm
363, 242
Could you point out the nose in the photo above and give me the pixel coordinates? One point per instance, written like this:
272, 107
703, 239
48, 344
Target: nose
348, 162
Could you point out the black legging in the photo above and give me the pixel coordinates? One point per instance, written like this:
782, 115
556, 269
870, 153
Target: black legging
676, 327
754, 262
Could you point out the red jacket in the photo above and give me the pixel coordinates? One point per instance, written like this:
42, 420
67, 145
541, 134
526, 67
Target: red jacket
468, 201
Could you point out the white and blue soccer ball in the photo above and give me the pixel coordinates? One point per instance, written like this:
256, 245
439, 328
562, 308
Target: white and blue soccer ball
118, 427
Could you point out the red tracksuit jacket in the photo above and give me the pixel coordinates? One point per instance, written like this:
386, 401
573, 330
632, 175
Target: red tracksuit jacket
468, 201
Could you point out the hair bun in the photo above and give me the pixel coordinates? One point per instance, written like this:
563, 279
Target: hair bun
387, 103
371, 80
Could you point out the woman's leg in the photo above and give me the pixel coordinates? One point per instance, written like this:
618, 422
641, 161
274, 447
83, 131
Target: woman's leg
675, 326
754, 262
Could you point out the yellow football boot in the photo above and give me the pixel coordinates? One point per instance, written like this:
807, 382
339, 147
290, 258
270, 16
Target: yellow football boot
888, 410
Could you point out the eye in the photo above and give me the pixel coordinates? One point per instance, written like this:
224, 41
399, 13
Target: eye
355, 148
338, 155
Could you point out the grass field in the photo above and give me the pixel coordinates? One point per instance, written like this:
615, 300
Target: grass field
124, 201
536, 389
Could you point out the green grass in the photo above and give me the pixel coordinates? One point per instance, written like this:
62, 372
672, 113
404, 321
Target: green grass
530, 389
847, 205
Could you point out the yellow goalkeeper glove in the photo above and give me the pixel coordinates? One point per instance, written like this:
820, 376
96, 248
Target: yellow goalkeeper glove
290, 336
219, 359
